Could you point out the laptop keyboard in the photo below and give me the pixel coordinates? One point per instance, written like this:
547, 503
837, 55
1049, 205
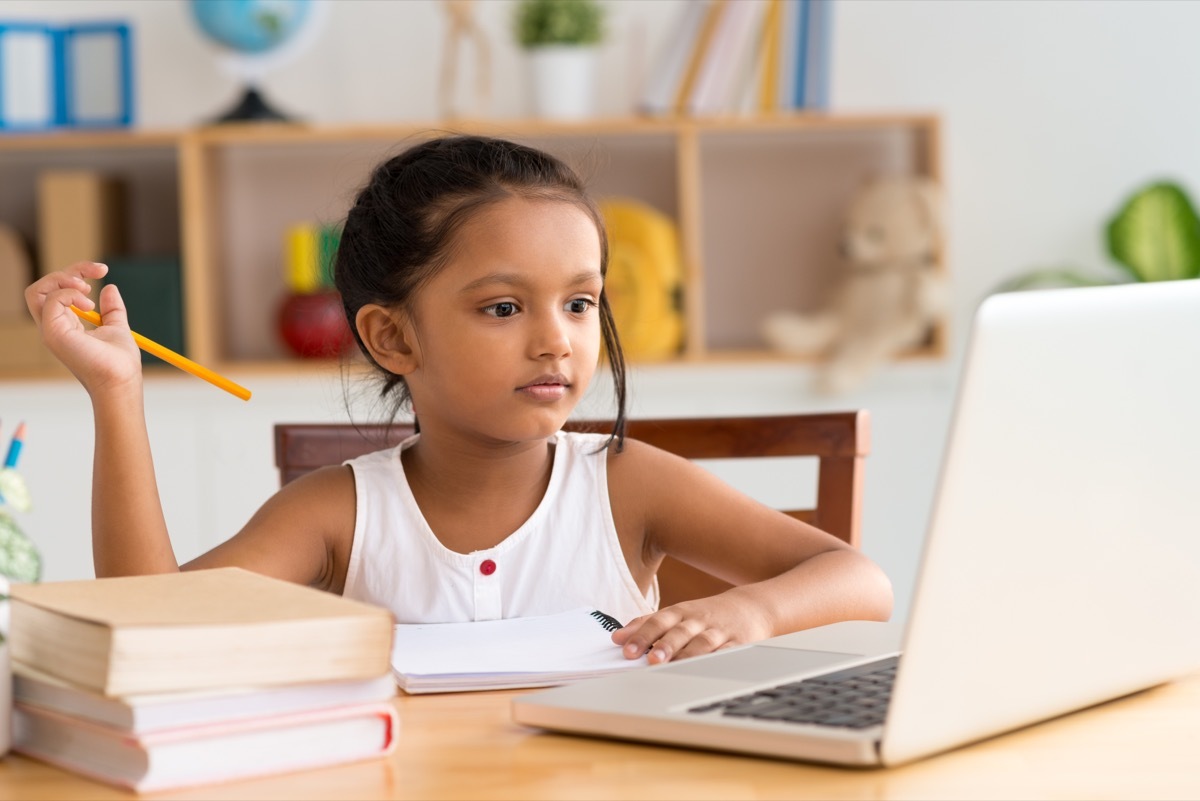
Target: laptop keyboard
855, 698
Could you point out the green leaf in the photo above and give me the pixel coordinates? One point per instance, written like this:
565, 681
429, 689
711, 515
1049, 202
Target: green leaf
1051, 277
1156, 235
559, 22
19, 558
13, 490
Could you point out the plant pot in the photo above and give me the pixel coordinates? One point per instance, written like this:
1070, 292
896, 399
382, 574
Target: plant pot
563, 81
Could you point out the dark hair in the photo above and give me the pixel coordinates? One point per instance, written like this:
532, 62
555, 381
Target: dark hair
401, 230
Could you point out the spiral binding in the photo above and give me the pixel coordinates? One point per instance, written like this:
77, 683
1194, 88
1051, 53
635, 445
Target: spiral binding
609, 622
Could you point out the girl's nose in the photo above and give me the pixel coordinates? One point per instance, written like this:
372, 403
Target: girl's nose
552, 337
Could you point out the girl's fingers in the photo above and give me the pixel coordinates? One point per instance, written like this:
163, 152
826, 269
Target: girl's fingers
72, 278
676, 632
648, 631
112, 307
87, 269
57, 304
674, 640
625, 632
705, 642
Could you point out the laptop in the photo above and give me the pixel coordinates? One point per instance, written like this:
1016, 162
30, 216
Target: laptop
1061, 567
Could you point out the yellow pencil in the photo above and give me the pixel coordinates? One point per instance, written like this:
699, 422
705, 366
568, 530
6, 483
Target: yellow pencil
171, 357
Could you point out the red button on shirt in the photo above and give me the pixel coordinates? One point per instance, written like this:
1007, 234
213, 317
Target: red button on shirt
487, 567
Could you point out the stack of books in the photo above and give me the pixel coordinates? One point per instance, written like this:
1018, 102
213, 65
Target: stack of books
159, 682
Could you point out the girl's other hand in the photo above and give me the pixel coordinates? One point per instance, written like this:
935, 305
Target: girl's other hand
102, 358
693, 628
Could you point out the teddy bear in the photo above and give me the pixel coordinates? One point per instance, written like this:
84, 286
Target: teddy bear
890, 292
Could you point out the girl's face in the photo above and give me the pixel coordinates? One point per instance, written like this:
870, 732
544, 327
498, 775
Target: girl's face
508, 331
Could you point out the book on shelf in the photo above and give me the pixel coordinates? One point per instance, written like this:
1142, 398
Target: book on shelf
767, 88
206, 754
152, 290
748, 72
662, 82
793, 44
818, 54
805, 47
81, 216
714, 11
734, 43
151, 712
744, 57
194, 630
539, 651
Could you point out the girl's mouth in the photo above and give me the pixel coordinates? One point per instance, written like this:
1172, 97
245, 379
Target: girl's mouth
546, 388
544, 392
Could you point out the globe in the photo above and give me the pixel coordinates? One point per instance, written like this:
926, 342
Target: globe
251, 30
250, 26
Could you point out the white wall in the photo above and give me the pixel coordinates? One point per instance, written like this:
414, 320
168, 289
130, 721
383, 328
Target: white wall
1054, 111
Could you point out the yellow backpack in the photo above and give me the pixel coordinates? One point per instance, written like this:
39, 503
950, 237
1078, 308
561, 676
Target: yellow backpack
645, 279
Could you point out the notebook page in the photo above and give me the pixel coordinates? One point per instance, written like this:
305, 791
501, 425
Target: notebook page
573, 641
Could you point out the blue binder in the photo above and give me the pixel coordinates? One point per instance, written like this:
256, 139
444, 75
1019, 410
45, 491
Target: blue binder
28, 69
65, 76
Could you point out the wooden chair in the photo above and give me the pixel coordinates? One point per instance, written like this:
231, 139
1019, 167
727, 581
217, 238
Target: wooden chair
839, 441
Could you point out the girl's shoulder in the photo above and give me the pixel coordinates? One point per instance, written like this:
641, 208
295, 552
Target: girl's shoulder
385, 456
641, 468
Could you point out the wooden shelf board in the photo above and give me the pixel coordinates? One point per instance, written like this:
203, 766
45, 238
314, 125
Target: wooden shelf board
90, 140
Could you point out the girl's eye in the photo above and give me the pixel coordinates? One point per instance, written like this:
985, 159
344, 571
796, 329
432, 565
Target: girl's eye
505, 309
580, 305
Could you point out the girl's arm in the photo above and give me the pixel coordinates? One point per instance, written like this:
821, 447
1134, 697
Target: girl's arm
291, 537
788, 574
129, 534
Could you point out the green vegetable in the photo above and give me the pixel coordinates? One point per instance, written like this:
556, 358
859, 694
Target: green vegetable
1156, 236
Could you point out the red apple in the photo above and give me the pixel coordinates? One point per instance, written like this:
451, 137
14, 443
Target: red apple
314, 326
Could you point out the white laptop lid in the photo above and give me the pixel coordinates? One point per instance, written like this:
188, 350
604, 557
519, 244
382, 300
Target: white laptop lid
1062, 565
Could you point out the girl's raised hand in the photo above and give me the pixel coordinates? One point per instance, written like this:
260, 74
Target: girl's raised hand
694, 627
100, 358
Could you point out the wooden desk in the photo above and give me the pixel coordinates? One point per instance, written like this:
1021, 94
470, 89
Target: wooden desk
466, 747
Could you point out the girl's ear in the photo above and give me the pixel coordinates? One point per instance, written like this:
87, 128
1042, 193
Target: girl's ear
389, 336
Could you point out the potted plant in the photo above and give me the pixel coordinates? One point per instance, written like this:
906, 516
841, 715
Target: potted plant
1155, 236
19, 561
561, 39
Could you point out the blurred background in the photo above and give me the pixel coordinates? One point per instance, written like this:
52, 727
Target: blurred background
1051, 114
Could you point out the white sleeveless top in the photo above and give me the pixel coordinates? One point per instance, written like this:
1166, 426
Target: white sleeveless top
566, 555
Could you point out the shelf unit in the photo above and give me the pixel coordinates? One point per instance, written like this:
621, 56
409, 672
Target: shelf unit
758, 202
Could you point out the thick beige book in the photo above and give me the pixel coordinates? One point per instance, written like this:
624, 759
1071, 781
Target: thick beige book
195, 630
81, 217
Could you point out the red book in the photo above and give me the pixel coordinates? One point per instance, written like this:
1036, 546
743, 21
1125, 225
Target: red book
206, 754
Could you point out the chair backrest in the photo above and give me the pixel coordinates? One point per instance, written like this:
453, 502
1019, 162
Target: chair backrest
839, 441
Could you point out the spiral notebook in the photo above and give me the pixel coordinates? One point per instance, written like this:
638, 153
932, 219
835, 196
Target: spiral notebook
518, 652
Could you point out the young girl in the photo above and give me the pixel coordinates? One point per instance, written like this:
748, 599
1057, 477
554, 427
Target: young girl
472, 273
